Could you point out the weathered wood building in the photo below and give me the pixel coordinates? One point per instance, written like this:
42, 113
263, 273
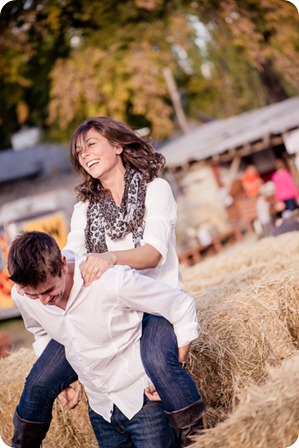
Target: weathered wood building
205, 166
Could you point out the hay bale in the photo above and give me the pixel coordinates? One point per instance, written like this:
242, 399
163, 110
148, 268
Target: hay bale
282, 290
269, 251
249, 318
240, 340
248, 309
267, 416
68, 429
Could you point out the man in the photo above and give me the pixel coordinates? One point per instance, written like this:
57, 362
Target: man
100, 328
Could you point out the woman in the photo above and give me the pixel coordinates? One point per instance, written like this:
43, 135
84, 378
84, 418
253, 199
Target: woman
125, 215
285, 189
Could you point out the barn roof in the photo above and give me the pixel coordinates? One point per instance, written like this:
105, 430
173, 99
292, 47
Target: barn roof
39, 160
244, 134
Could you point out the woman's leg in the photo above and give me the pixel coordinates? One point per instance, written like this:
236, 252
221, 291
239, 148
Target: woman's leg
159, 353
50, 374
176, 388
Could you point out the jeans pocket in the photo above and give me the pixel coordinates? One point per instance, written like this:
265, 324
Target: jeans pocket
147, 402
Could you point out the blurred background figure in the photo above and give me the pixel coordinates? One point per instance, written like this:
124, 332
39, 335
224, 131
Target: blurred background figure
251, 181
285, 190
264, 216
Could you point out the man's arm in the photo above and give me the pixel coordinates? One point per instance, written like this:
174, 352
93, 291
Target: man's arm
141, 293
41, 337
69, 397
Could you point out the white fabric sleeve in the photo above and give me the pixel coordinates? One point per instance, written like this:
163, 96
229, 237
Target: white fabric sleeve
160, 216
41, 337
141, 293
76, 237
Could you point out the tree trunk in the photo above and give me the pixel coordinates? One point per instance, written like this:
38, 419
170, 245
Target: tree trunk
274, 89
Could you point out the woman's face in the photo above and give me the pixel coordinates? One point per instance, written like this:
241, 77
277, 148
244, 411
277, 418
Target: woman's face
98, 157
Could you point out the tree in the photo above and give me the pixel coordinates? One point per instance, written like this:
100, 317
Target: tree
62, 61
253, 28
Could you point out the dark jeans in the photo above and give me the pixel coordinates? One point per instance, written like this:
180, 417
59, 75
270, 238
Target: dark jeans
149, 428
159, 354
52, 373
291, 204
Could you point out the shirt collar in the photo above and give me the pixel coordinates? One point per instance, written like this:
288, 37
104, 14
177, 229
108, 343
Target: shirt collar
78, 281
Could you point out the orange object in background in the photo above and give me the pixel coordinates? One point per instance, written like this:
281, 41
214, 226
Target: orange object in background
5, 283
52, 223
251, 181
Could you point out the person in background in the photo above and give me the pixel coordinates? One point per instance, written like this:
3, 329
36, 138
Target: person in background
126, 215
100, 328
251, 181
285, 191
263, 210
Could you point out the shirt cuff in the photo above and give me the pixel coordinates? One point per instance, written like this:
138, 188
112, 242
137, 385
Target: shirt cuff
40, 344
187, 334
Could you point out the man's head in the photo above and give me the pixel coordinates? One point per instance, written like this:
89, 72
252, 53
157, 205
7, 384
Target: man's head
36, 266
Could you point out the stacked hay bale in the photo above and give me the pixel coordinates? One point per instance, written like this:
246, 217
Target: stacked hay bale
68, 429
267, 417
248, 309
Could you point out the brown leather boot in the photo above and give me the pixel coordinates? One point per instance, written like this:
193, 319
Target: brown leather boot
187, 422
28, 434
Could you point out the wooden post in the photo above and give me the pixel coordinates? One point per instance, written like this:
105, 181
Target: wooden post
176, 100
232, 172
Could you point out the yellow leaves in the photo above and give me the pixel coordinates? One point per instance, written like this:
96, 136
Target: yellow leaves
97, 82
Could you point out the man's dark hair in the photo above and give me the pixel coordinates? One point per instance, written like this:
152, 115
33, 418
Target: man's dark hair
32, 257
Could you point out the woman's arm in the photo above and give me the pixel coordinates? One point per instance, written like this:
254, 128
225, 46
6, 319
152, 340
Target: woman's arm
142, 257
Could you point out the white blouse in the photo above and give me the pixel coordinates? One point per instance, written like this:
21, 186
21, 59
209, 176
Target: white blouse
101, 329
160, 219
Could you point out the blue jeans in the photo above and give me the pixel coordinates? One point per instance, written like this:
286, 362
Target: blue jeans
159, 354
149, 428
52, 373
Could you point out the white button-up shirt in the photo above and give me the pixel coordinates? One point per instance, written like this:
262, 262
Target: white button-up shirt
101, 329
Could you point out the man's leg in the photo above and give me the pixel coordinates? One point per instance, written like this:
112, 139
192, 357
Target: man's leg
149, 428
50, 374
178, 392
109, 434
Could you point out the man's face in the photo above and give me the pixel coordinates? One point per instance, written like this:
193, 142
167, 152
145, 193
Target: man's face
51, 292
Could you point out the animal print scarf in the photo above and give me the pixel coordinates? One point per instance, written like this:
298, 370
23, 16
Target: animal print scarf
105, 216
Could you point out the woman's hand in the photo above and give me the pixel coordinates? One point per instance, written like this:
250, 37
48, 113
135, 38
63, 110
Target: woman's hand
95, 266
151, 393
183, 353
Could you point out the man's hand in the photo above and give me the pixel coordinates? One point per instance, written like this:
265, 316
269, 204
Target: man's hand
183, 353
95, 266
70, 397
